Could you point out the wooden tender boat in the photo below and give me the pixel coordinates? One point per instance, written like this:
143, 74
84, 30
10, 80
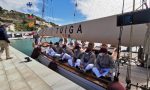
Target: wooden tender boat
87, 80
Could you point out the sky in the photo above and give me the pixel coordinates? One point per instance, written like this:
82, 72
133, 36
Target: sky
62, 12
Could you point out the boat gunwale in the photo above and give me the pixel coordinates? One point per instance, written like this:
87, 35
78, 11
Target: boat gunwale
100, 82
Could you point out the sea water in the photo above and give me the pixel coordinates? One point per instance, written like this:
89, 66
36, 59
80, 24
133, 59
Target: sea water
25, 45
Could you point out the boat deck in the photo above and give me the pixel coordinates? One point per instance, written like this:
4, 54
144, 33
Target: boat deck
15, 74
138, 75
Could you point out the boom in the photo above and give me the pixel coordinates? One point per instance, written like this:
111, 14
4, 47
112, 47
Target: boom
103, 30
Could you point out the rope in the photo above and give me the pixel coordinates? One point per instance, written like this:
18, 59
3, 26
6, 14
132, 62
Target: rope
75, 11
51, 11
128, 76
146, 47
149, 3
147, 51
43, 10
118, 48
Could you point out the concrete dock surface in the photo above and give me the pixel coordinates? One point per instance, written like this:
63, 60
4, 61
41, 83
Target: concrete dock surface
15, 74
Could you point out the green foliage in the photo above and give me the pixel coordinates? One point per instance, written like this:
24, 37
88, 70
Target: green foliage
1, 9
20, 20
53, 24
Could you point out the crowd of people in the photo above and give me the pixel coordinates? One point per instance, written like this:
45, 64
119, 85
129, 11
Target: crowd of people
100, 64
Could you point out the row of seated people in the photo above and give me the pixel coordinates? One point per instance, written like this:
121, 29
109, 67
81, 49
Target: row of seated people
101, 66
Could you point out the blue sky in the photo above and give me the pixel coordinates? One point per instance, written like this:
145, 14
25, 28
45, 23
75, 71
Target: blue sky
63, 10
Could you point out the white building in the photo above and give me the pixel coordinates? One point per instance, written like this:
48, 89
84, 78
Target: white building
11, 27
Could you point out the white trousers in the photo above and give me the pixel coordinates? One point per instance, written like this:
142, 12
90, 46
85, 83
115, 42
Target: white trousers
69, 58
103, 73
4, 46
54, 54
88, 67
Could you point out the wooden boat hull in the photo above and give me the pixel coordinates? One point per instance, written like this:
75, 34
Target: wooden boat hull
75, 78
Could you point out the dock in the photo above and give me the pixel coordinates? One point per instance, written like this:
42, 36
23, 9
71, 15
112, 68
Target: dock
17, 74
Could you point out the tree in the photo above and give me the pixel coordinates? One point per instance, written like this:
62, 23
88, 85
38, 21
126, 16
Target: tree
1, 9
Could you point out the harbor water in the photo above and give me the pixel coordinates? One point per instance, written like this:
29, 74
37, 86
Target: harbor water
25, 45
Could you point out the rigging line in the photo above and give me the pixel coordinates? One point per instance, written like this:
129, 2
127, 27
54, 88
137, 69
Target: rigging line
118, 48
147, 36
149, 3
52, 11
148, 60
128, 8
75, 11
142, 5
128, 76
43, 8
51, 15
147, 64
145, 3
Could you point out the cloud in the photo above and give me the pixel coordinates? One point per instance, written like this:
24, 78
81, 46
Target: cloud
20, 5
47, 18
92, 9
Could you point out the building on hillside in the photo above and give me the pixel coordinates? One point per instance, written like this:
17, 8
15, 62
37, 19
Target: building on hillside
11, 28
43, 23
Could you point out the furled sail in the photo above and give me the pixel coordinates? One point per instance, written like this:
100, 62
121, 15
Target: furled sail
103, 30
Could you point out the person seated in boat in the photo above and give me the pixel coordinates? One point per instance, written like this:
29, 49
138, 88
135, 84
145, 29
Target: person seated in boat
106, 46
71, 43
44, 47
104, 64
53, 46
67, 55
51, 52
87, 60
59, 49
77, 52
114, 54
61, 41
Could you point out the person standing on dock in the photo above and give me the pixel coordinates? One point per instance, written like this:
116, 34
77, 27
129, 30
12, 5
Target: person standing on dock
4, 41
36, 38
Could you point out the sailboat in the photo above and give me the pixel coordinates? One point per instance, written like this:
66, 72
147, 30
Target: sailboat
102, 30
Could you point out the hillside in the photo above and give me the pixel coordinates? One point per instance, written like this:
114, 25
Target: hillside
22, 20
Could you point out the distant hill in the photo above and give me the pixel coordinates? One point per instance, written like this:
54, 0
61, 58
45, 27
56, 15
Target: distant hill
22, 20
